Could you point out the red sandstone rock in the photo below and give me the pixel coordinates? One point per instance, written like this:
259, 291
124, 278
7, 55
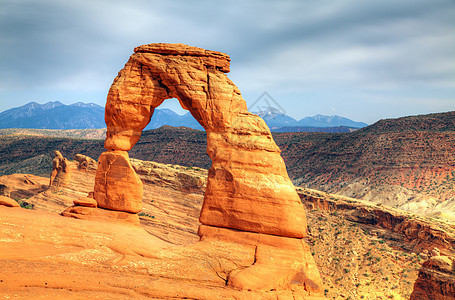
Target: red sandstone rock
248, 187
97, 214
436, 279
249, 197
6, 201
85, 162
117, 186
60, 172
85, 201
280, 263
171, 176
46, 256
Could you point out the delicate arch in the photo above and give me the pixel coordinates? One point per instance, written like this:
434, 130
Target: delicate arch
248, 186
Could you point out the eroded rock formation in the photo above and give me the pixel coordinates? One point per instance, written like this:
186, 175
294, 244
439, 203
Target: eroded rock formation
249, 197
60, 172
117, 186
436, 279
85, 162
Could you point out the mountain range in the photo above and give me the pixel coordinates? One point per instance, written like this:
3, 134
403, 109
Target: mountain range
276, 120
56, 115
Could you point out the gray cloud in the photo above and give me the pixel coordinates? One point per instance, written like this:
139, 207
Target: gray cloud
308, 54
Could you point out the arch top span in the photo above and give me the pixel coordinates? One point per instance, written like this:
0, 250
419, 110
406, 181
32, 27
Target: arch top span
210, 58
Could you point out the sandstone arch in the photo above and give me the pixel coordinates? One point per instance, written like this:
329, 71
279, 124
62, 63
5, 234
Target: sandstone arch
248, 186
249, 198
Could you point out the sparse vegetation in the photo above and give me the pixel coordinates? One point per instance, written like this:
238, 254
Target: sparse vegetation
143, 214
25, 204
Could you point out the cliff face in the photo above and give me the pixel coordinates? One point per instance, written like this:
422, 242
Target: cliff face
418, 233
436, 279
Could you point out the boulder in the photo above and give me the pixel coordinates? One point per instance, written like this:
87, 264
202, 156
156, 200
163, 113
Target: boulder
85, 162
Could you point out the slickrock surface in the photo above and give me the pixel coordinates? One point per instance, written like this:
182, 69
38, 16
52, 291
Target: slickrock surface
50, 256
22, 186
170, 214
356, 257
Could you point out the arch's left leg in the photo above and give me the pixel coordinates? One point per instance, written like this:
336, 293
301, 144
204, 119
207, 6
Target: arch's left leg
130, 105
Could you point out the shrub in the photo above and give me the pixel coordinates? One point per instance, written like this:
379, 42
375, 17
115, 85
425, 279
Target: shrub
25, 204
143, 214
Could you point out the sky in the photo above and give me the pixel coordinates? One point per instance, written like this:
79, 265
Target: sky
364, 60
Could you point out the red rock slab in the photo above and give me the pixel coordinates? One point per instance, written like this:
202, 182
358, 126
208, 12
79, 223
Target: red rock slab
64, 258
6, 201
86, 201
98, 214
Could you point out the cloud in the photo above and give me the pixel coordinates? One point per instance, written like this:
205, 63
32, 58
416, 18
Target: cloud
292, 49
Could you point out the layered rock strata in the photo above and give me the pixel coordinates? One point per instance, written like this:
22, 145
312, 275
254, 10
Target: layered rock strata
248, 193
436, 279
